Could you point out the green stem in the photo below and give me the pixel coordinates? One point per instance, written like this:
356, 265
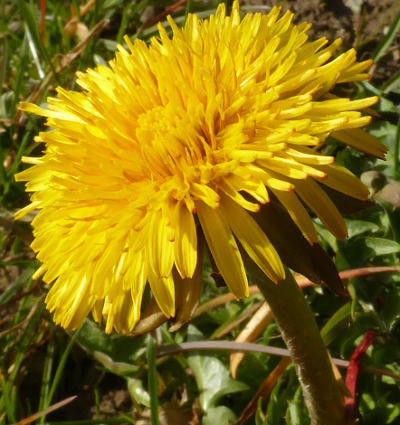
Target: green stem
396, 170
309, 355
152, 382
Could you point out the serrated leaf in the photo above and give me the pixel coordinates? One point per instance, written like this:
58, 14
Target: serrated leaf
213, 380
211, 375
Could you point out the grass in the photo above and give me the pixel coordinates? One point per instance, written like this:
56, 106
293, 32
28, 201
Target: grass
41, 364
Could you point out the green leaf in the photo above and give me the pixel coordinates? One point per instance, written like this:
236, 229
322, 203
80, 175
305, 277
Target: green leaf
220, 415
213, 380
394, 413
120, 354
390, 312
296, 412
334, 325
278, 401
359, 251
357, 227
137, 391
118, 368
211, 375
260, 417
373, 411
381, 246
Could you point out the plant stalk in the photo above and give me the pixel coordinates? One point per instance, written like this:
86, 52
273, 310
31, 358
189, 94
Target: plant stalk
300, 332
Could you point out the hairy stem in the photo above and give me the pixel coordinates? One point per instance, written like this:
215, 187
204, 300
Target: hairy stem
300, 332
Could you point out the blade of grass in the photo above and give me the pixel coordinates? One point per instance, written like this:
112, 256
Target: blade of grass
396, 152
387, 40
60, 370
5, 401
27, 336
12, 289
4, 60
46, 376
44, 412
20, 325
124, 23
19, 77
110, 421
152, 382
30, 23
21, 347
17, 159
392, 82
34, 52
188, 9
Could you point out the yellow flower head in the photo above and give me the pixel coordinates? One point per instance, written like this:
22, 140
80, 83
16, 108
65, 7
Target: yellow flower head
191, 134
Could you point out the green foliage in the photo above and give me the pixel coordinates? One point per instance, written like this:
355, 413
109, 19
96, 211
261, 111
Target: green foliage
212, 376
40, 364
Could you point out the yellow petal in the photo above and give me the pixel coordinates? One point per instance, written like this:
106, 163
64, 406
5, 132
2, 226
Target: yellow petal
311, 193
276, 181
185, 245
298, 213
238, 197
160, 248
206, 194
309, 156
122, 314
224, 249
253, 239
164, 292
70, 299
26, 210
187, 292
342, 180
361, 140
65, 116
333, 106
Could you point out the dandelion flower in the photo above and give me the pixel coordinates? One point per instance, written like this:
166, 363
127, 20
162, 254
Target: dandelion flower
192, 134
